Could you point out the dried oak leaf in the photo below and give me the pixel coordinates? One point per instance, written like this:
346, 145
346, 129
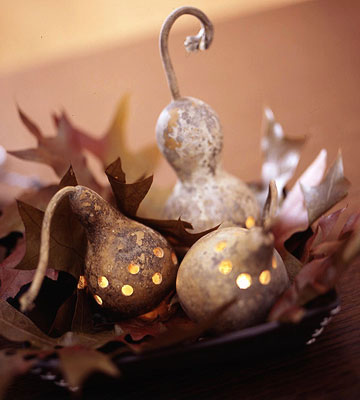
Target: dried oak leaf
319, 275
184, 332
333, 188
67, 236
10, 220
322, 231
293, 215
139, 329
128, 197
281, 155
77, 363
58, 151
15, 326
12, 279
113, 143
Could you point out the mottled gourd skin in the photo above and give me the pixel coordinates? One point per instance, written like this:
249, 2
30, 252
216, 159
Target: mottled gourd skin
189, 135
228, 263
129, 268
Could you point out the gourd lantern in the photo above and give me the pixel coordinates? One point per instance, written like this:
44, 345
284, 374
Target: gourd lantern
236, 265
189, 135
129, 268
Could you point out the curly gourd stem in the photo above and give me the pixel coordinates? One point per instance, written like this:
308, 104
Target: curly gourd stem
201, 41
27, 299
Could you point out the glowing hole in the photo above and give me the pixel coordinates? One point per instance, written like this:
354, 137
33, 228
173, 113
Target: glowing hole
174, 258
265, 277
225, 267
98, 299
157, 278
243, 281
159, 252
127, 290
133, 268
82, 282
103, 282
274, 262
250, 222
220, 246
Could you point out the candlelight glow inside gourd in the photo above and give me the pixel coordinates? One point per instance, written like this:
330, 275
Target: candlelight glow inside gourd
243, 269
129, 268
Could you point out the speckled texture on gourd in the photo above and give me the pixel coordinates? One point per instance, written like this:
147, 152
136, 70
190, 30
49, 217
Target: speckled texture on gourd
207, 277
116, 245
190, 137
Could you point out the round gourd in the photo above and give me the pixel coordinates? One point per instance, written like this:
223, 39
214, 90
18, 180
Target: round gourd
227, 264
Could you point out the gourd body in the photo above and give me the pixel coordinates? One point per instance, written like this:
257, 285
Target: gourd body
231, 263
189, 135
129, 268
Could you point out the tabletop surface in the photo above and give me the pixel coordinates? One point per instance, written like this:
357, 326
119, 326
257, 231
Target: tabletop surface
304, 62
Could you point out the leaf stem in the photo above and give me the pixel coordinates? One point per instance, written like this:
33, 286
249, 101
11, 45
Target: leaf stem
27, 299
201, 41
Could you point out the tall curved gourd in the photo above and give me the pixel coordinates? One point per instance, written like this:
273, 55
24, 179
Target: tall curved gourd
189, 135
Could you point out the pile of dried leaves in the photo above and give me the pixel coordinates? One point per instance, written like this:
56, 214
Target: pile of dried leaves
67, 324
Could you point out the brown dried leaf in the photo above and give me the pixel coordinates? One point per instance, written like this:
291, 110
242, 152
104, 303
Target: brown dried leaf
86, 339
128, 195
270, 207
58, 151
128, 198
82, 317
67, 237
12, 279
318, 277
333, 188
113, 144
77, 363
10, 219
15, 326
178, 335
138, 329
293, 216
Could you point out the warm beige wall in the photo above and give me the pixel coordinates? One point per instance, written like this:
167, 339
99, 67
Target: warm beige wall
36, 31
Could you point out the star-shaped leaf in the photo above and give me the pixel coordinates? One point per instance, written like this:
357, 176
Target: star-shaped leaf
333, 188
67, 237
58, 151
128, 197
114, 144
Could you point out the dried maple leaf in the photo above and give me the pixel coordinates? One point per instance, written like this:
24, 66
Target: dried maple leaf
77, 363
292, 215
113, 144
139, 329
17, 327
10, 220
185, 333
58, 152
67, 238
333, 188
12, 279
280, 156
128, 197
322, 231
319, 275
